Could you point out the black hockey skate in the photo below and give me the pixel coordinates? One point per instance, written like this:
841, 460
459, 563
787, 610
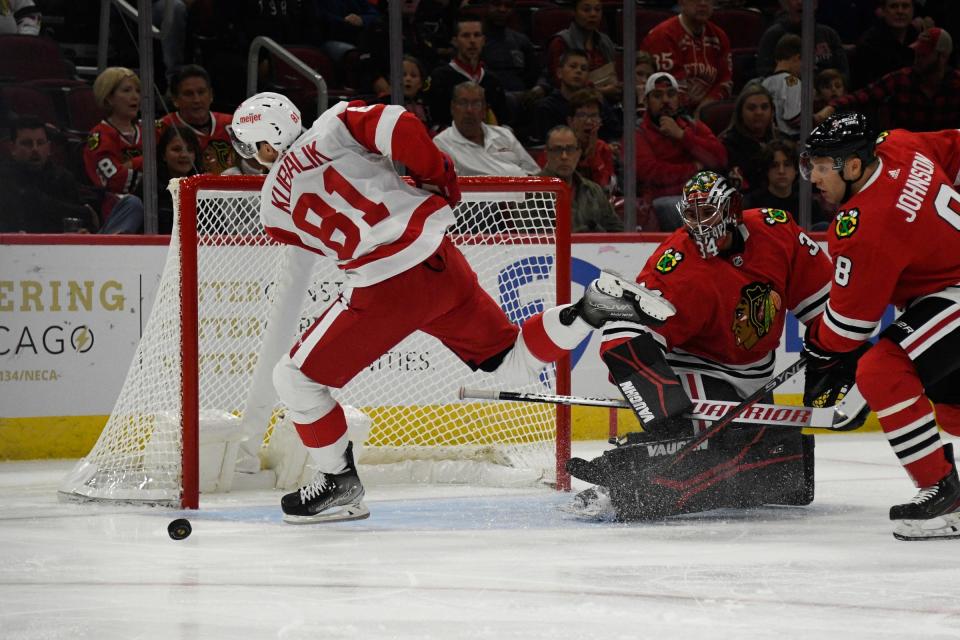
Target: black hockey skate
934, 513
611, 298
327, 498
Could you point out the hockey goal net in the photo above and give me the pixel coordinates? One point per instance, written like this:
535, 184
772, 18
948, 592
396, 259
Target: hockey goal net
231, 301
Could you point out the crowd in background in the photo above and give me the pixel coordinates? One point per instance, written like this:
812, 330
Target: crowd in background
506, 87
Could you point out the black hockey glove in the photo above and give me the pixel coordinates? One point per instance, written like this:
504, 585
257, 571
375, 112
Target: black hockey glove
829, 375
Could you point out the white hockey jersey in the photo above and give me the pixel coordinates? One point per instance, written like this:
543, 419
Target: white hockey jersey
335, 192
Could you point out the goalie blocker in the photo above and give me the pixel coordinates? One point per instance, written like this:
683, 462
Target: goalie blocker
738, 467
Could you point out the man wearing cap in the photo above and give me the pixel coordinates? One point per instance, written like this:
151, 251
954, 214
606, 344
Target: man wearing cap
671, 146
922, 97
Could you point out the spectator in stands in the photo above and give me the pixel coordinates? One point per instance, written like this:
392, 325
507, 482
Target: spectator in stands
671, 146
477, 148
885, 46
432, 32
413, 99
38, 195
507, 52
113, 156
179, 152
784, 85
174, 41
19, 17
554, 109
344, 24
828, 48
596, 158
829, 85
781, 189
192, 96
751, 128
696, 52
645, 67
591, 207
468, 41
923, 97
585, 34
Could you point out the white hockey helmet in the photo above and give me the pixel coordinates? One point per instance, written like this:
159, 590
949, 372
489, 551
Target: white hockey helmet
710, 207
265, 117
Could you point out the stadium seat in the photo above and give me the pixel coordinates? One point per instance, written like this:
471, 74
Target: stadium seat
744, 67
743, 26
20, 101
76, 107
646, 20
544, 23
25, 58
717, 115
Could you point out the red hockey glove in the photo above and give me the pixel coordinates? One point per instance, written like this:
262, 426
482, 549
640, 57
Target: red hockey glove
446, 187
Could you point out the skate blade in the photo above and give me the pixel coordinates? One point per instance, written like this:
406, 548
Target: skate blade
945, 527
344, 513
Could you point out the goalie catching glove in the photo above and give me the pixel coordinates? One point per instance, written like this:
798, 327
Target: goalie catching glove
829, 376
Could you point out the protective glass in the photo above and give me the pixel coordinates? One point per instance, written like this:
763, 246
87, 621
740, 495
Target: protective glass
244, 149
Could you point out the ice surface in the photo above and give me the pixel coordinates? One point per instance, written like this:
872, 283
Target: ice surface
461, 562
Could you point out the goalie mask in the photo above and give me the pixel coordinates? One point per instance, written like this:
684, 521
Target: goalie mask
265, 117
709, 208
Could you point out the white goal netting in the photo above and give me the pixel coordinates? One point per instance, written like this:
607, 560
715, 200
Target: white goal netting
254, 297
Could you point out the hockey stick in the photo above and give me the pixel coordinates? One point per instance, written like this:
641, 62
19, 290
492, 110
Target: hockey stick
732, 415
708, 410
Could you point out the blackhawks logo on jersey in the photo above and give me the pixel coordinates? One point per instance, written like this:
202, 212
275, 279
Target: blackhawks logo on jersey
755, 314
93, 141
883, 136
669, 261
775, 216
847, 222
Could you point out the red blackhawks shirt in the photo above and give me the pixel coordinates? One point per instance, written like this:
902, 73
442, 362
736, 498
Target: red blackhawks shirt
105, 156
731, 308
215, 147
335, 192
701, 64
897, 239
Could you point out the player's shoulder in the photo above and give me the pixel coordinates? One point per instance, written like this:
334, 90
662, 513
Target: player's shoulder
674, 257
769, 221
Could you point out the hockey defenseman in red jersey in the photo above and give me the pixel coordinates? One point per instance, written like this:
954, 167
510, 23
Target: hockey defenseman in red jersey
895, 240
333, 190
732, 276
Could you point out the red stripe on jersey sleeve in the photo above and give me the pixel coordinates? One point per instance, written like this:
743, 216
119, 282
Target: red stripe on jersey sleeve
362, 125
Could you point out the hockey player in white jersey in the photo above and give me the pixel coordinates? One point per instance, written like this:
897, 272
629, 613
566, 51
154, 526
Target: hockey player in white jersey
332, 189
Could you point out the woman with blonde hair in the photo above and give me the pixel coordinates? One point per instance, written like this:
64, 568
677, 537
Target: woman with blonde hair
113, 157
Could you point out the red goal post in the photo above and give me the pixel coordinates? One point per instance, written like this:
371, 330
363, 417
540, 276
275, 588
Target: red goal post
231, 302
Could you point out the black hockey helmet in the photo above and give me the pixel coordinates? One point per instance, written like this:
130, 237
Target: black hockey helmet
839, 137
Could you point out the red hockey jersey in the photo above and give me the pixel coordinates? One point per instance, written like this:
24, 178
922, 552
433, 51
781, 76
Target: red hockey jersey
215, 147
335, 192
105, 154
897, 239
731, 309
701, 64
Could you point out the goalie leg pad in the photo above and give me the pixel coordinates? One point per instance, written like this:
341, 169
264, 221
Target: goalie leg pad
648, 383
743, 468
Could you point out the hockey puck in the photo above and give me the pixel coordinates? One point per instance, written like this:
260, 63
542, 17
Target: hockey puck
179, 528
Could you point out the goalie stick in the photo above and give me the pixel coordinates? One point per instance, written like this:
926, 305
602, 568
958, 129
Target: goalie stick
710, 410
